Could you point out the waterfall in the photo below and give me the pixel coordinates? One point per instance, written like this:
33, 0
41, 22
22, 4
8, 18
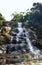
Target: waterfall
29, 44
27, 39
32, 49
20, 29
22, 33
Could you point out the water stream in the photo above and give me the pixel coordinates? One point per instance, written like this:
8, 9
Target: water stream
18, 46
32, 49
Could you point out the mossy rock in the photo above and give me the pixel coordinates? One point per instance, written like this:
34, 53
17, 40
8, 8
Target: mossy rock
5, 39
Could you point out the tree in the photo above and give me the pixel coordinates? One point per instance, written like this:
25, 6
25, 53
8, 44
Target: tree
17, 17
36, 18
1, 20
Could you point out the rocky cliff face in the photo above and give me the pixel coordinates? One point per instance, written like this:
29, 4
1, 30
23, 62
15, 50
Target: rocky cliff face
35, 41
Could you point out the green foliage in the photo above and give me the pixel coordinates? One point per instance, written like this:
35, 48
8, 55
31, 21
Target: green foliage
36, 17
5, 39
1, 20
17, 17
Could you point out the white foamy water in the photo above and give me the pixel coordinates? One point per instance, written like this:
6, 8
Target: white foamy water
32, 49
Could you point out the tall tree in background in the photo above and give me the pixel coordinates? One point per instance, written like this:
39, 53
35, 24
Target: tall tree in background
36, 18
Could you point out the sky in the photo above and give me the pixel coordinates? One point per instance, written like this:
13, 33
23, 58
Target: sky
7, 7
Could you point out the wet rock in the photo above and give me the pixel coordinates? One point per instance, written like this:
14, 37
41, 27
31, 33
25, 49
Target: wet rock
13, 34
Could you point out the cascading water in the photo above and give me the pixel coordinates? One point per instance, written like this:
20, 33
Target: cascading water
31, 48
20, 29
19, 46
29, 44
